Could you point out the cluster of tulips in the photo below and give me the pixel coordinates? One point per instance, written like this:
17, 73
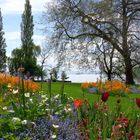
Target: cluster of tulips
14, 82
99, 122
109, 86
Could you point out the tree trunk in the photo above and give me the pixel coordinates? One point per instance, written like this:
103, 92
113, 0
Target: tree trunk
128, 71
126, 52
109, 75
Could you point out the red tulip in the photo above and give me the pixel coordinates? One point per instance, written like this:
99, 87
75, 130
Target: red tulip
77, 103
105, 96
130, 135
138, 102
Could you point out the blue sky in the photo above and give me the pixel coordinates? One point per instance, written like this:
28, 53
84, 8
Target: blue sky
11, 12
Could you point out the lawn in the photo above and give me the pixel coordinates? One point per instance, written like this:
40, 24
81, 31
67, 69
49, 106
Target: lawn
74, 90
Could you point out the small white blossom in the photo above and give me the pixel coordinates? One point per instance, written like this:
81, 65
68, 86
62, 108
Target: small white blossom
51, 117
4, 108
15, 119
55, 126
56, 96
31, 100
53, 136
44, 100
24, 122
47, 109
9, 85
43, 96
11, 111
57, 113
27, 94
15, 91
69, 109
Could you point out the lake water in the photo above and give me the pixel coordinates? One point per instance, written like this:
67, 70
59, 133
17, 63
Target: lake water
79, 78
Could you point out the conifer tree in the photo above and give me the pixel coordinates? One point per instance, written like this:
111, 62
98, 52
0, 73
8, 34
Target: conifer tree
27, 26
2, 46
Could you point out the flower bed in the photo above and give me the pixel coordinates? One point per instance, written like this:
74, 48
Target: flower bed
98, 122
38, 115
14, 82
113, 87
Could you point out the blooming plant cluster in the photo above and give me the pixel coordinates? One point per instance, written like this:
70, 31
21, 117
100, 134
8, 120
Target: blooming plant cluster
98, 122
14, 82
33, 115
44, 119
109, 86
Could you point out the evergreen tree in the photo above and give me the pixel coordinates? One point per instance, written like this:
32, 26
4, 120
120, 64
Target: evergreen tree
2, 46
27, 26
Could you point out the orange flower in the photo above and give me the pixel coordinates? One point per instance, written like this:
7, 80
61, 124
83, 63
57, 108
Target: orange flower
15, 82
84, 85
108, 86
77, 103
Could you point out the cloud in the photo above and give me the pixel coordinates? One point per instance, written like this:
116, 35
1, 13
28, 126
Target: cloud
38, 39
12, 36
13, 40
17, 6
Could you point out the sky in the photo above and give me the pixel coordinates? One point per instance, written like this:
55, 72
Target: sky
11, 12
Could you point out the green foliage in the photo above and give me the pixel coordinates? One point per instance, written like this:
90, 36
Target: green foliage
30, 50
2, 47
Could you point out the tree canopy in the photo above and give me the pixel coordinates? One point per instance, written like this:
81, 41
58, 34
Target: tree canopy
2, 46
116, 22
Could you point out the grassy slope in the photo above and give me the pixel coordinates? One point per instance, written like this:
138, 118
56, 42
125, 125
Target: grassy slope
74, 90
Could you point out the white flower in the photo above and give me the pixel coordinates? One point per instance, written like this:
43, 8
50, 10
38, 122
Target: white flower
24, 122
69, 109
15, 91
27, 94
44, 100
43, 96
53, 136
51, 117
15, 119
33, 124
31, 100
55, 126
9, 85
4, 108
71, 98
11, 111
56, 96
47, 110
57, 113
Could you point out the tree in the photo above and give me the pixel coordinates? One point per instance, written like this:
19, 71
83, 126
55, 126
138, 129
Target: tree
43, 57
116, 22
29, 48
16, 60
2, 46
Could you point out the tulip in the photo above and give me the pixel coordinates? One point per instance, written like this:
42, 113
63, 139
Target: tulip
105, 96
77, 103
138, 102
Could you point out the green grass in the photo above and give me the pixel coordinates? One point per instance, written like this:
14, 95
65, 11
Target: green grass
74, 90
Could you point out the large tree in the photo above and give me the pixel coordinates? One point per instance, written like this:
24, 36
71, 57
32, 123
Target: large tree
27, 46
116, 22
2, 46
